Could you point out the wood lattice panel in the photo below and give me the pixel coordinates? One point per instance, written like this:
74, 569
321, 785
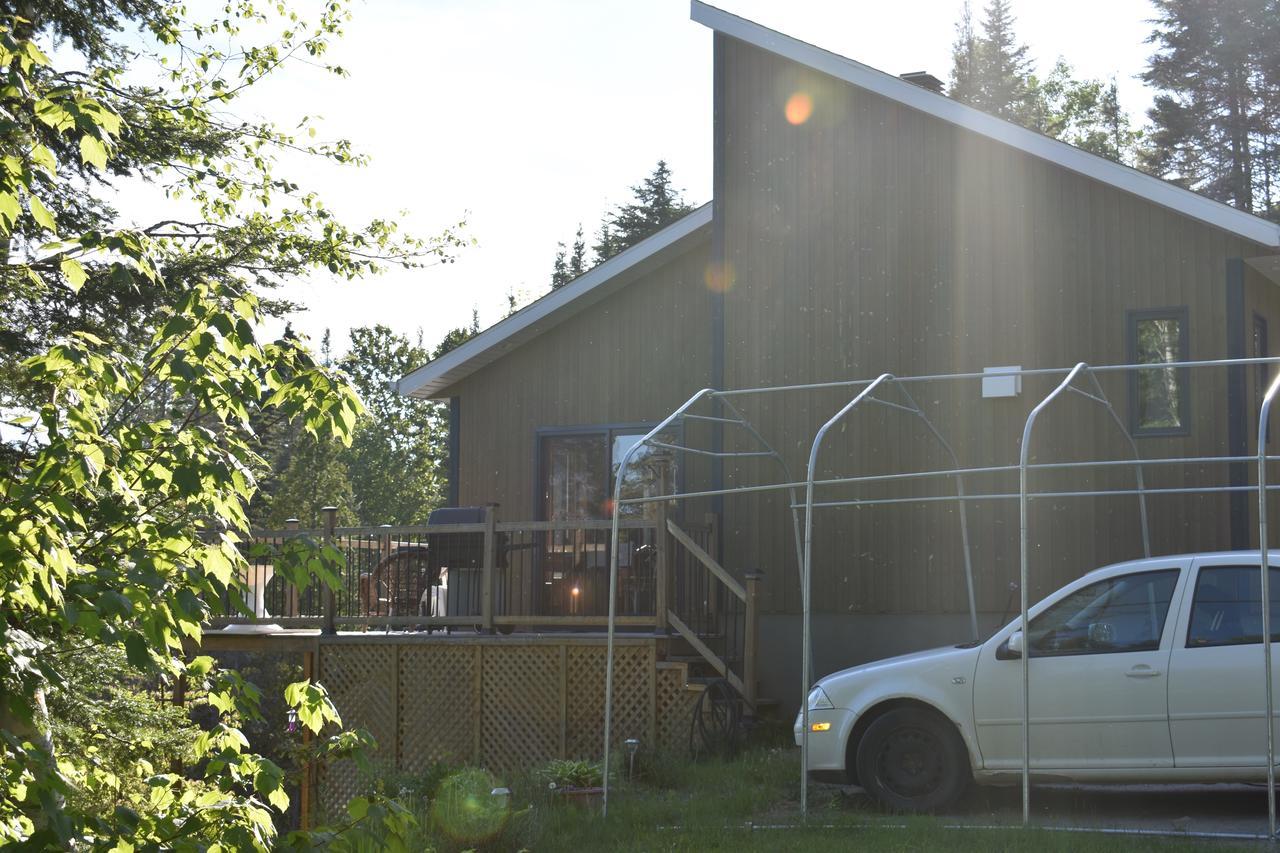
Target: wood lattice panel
504, 704
520, 705
674, 703
633, 673
361, 680
437, 704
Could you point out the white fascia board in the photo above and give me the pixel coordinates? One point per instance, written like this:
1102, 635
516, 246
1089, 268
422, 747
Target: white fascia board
566, 301
1036, 144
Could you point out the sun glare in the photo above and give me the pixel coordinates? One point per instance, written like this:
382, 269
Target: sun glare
799, 108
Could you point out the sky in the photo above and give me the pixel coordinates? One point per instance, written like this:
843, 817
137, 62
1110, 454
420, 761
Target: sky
525, 118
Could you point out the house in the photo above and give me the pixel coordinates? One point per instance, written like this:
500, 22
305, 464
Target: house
862, 223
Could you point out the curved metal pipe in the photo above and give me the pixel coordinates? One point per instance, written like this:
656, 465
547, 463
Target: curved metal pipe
1023, 574
613, 587
1264, 420
806, 655
1133, 445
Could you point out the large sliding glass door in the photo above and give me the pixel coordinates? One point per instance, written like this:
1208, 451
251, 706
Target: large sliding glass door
577, 472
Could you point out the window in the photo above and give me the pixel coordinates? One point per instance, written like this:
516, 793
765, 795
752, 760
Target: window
579, 469
1120, 614
1226, 610
1262, 372
1159, 398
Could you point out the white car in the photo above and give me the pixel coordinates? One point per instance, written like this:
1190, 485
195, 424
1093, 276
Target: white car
1147, 671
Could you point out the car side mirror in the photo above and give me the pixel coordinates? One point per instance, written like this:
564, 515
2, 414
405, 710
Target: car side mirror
1012, 648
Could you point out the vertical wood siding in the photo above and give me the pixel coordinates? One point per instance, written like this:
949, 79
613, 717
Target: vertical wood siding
631, 358
875, 238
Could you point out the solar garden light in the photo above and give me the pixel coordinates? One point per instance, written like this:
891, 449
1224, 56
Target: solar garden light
633, 746
502, 796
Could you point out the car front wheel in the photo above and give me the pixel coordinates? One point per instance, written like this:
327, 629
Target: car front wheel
912, 760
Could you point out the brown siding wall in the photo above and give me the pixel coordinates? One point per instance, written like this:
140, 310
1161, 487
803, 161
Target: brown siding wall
631, 358
875, 238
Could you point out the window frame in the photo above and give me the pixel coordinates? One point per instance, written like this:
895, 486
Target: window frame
609, 431
1182, 315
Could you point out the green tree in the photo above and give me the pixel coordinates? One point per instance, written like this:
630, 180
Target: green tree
993, 72
313, 476
1216, 120
655, 204
123, 500
1086, 114
397, 456
572, 264
964, 59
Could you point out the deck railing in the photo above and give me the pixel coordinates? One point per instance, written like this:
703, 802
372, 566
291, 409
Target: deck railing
489, 575
502, 575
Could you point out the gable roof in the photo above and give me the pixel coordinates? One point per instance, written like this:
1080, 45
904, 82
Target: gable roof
558, 305
1036, 144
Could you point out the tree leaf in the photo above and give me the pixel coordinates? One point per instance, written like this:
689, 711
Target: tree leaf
93, 152
41, 214
74, 272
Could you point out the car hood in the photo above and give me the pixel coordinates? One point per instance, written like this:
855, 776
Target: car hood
949, 660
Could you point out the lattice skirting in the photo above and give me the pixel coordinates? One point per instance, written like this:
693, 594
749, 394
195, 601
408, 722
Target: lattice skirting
504, 704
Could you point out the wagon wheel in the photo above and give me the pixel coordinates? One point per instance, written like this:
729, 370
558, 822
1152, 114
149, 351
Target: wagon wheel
717, 720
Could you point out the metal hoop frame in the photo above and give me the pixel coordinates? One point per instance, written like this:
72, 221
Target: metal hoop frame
865, 393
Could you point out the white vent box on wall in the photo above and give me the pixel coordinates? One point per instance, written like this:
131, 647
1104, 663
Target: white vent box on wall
1002, 381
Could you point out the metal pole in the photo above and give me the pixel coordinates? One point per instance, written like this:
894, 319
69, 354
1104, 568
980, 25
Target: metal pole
1023, 573
1137, 458
613, 589
806, 654
1264, 420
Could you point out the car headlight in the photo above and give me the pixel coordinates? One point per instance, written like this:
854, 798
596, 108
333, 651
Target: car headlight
818, 700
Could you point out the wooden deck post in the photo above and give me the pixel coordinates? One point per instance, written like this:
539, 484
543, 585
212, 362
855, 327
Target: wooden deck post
751, 637
490, 560
662, 569
330, 601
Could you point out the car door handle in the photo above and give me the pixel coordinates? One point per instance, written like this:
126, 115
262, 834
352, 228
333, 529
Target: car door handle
1142, 671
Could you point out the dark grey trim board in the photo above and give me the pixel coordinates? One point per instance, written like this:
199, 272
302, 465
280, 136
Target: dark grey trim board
1237, 426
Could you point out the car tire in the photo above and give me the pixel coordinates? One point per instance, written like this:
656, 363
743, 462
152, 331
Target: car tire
912, 760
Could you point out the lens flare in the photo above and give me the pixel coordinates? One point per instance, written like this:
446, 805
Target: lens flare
799, 108
718, 277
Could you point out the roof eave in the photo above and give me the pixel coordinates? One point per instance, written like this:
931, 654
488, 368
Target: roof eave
1067, 156
429, 380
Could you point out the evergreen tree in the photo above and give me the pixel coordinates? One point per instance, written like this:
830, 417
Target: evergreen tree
560, 269
1216, 120
656, 204
964, 59
567, 267
315, 477
578, 258
1001, 81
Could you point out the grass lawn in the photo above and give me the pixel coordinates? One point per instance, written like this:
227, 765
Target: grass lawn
752, 804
